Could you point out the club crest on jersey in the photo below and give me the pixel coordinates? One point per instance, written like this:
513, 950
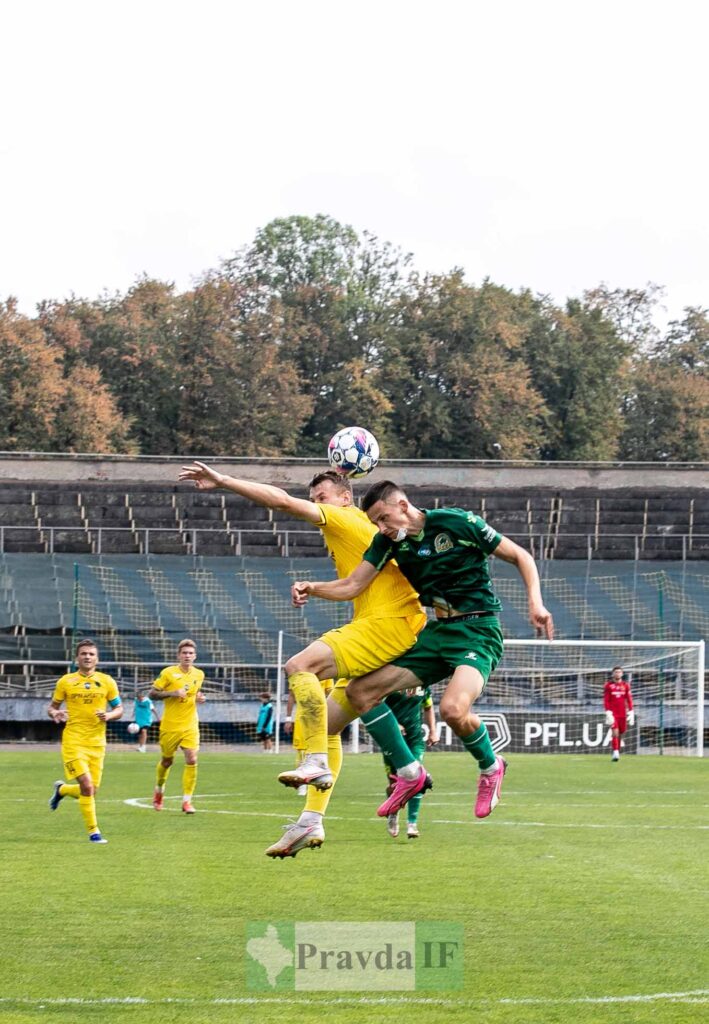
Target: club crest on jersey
442, 543
87, 686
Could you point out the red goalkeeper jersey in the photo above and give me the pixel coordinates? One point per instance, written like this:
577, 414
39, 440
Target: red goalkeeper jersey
616, 697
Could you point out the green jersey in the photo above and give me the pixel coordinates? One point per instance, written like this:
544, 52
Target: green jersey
446, 562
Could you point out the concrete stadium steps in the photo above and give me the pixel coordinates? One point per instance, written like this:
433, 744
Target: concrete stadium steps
141, 518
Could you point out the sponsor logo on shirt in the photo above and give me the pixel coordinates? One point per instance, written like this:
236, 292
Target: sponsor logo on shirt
489, 533
472, 655
424, 552
442, 543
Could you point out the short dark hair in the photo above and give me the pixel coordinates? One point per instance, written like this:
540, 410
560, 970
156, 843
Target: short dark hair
380, 492
617, 668
342, 483
86, 643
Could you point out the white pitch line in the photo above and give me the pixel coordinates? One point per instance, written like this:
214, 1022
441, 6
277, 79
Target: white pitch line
697, 996
138, 802
554, 824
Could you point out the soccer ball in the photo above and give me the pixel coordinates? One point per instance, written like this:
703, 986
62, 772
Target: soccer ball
353, 451
133, 728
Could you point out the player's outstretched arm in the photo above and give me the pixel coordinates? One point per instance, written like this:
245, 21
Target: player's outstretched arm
345, 589
207, 479
539, 616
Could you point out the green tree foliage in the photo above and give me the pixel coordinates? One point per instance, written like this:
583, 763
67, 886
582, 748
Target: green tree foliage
667, 418
667, 409
313, 327
30, 382
238, 396
577, 362
337, 293
49, 401
86, 418
132, 340
631, 311
686, 343
455, 373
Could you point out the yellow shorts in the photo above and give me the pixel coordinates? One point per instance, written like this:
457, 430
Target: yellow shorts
88, 761
366, 644
171, 741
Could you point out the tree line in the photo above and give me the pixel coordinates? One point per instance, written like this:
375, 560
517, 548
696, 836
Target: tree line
313, 327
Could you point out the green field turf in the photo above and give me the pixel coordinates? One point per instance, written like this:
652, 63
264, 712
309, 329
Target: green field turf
583, 897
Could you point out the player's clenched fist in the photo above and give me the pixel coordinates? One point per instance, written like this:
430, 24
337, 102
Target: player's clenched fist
300, 591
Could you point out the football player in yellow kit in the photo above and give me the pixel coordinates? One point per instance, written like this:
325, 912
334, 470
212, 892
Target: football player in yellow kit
92, 699
179, 686
388, 621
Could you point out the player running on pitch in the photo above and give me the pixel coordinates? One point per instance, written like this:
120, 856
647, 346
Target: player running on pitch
179, 686
618, 702
411, 708
386, 622
92, 699
443, 553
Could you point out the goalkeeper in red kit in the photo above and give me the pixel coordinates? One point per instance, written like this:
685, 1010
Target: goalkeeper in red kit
618, 702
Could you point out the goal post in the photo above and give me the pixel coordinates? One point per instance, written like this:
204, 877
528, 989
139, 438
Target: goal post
548, 695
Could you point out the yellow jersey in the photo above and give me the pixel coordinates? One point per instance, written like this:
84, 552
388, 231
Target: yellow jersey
348, 533
84, 696
179, 715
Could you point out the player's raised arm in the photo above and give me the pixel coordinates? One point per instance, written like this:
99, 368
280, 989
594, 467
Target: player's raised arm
206, 479
345, 589
539, 616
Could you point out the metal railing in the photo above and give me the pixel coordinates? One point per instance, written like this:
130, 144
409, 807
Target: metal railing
36, 677
189, 537
541, 545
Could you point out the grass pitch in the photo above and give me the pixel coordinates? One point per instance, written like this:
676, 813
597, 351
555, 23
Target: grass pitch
583, 896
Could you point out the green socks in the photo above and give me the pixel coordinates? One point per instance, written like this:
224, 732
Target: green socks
382, 725
478, 744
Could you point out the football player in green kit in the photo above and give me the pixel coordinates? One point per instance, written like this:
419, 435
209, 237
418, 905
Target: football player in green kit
411, 709
444, 554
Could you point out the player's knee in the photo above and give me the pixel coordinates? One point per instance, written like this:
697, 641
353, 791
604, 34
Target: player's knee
454, 710
167, 762
360, 699
302, 662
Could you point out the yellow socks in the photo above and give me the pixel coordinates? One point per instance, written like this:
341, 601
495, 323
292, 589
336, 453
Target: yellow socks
189, 780
312, 710
87, 806
161, 775
317, 800
70, 789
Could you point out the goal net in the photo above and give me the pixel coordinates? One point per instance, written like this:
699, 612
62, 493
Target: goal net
548, 697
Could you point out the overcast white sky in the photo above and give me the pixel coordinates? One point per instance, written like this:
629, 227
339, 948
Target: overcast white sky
540, 143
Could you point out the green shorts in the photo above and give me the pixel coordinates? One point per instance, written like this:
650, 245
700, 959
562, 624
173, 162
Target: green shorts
445, 645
